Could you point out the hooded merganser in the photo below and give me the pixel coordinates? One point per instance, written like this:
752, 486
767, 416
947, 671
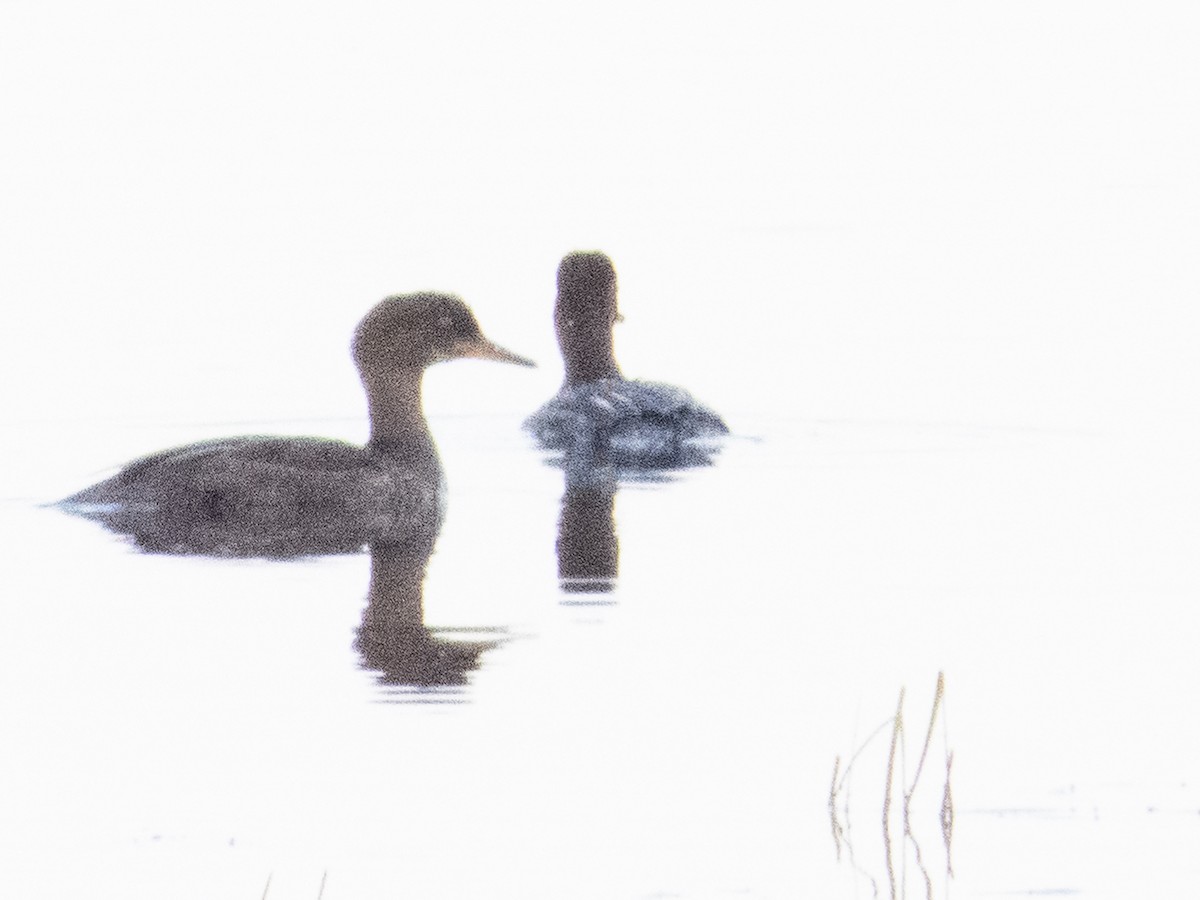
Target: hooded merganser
598, 414
288, 496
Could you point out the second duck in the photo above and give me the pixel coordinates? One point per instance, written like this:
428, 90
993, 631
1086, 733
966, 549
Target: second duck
599, 416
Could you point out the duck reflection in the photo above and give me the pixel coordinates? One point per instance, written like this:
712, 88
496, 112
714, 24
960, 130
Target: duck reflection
414, 662
419, 663
587, 532
587, 548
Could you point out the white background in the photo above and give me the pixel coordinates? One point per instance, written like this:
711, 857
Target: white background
929, 211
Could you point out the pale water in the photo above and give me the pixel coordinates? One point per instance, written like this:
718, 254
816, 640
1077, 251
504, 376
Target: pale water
192, 727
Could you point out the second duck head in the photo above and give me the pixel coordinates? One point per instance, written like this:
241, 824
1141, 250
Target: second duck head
584, 314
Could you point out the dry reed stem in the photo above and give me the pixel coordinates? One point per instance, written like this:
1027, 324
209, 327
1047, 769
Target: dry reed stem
840, 778
897, 731
948, 815
833, 817
937, 703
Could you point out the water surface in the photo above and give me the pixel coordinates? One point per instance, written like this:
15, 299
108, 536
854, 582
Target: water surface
193, 726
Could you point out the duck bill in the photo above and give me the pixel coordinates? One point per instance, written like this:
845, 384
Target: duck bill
482, 348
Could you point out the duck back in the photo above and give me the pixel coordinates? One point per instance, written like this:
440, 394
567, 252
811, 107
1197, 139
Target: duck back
628, 423
265, 496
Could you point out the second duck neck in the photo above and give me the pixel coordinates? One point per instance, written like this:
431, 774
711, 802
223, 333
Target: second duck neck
587, 351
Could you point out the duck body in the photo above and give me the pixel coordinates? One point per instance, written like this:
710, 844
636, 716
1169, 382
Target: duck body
293, 496
267, 496
628, 423
599, 416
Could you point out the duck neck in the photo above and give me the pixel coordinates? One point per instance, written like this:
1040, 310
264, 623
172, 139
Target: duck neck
398, 426
587, 351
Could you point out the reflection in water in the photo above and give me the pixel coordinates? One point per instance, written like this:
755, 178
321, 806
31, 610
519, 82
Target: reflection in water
393, 639
587, 533
587, 547
892, 853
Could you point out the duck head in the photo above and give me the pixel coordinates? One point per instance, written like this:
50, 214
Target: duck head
584, 313
413, 331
